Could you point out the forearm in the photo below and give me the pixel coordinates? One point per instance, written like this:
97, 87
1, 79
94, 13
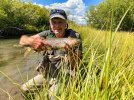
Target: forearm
25, 40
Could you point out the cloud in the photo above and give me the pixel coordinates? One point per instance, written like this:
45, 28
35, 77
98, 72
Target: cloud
75, 8
38, 4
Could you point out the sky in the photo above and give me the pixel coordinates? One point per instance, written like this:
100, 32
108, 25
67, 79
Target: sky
76, 8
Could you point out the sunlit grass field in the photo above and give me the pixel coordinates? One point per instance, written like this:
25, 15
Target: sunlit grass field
107, 71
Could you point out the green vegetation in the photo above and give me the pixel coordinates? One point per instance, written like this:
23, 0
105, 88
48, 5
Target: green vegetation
100, 16
114, 81
14, 13
107, 65
108, 58
115, 60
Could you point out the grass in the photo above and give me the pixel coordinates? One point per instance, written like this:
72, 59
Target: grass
109, 71
115, 80
108, 61
115, 61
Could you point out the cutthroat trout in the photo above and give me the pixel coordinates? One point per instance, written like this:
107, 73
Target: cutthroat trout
57, 43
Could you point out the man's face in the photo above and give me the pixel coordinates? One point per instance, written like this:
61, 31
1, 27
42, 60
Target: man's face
58, 26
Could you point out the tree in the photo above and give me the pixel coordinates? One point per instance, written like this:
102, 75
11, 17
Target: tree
14, 13
112, 10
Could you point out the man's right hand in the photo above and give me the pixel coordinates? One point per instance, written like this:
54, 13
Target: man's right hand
37, 44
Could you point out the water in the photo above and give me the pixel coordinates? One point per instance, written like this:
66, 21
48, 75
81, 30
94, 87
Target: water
13, 64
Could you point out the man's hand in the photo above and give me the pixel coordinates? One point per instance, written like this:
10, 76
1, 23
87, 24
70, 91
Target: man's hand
67, 47
37, 44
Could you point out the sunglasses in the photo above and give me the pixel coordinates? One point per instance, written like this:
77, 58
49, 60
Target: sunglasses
58, 11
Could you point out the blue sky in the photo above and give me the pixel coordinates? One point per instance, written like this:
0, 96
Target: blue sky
76, 8
88, 3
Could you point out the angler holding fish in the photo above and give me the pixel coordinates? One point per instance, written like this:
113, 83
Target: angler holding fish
62, 52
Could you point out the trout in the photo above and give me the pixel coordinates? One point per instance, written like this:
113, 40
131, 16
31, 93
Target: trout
57, 43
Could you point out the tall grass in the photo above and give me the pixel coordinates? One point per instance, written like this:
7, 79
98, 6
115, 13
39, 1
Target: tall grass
115, 80
109, 59
94, 85
108, 65
108, 74
107, 71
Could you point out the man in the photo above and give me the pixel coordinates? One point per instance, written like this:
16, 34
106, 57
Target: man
56, 62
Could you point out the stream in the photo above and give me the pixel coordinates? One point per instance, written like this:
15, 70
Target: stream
15, 68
